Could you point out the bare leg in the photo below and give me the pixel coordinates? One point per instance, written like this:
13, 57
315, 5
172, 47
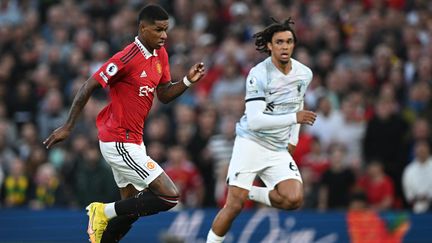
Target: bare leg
234, 204
163, 185
288, 195
128, 191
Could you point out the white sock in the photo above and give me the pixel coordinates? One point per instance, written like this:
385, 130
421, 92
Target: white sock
260, 194
213, 238
110, 210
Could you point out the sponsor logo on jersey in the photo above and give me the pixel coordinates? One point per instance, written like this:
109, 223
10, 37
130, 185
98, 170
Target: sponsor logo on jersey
143, 74
111, 69
150, 165
145, 90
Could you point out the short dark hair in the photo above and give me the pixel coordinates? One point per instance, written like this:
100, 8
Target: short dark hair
152, 13
265, 36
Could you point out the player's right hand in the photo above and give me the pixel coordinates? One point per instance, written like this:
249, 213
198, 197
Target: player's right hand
56, 136
196, 72
306, 117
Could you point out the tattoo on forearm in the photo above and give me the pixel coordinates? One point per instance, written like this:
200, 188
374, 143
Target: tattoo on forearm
78, 103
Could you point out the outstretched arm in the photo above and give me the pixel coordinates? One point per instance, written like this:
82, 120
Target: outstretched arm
257, 120
78, 104
170, 91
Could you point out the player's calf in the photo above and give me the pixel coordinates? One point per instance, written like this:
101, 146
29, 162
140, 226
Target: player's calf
146, 203
291, 202
117, 228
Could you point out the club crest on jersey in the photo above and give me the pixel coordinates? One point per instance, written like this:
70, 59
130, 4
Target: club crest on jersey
150, 165
111, 69
159, 67
300, 87
145, 90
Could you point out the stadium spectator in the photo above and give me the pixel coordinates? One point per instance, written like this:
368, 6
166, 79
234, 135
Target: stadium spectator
220, 148
7, 154
337, 182
316, 161
420, 131
22, 107
378, 187
329, 119
186, 176
38, 156
52, 113
198, 150
46, 190
386, 140
93, 180
352, 128
417, 179
29, 138
16, 187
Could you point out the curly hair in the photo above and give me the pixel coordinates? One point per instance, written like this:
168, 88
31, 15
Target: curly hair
265, 36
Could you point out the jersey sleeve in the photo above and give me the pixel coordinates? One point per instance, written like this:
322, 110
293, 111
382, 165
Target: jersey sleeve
309, 77
109, 72
255, 86
166, 75
295, 132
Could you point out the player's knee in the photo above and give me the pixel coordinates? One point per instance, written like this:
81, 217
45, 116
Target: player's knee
235, 203
151, 203
292, 201
173, 192
171, 199
234, 207
168, 202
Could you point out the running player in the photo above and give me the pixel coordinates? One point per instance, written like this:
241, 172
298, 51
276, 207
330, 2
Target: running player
134, 75
275, 90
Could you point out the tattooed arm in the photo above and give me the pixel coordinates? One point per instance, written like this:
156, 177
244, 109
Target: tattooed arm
80, 100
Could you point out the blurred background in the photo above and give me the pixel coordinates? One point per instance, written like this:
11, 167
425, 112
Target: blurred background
370, 148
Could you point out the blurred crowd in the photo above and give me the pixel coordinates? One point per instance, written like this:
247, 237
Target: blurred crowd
372, 61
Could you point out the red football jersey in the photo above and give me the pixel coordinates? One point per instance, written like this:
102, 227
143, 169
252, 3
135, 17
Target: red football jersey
132, 75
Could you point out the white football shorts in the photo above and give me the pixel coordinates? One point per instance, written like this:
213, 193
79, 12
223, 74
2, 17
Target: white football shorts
250, 159
130, 164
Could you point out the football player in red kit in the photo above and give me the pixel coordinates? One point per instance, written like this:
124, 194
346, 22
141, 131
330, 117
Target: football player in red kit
133, 75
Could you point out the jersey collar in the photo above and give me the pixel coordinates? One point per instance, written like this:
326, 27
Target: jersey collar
144, 50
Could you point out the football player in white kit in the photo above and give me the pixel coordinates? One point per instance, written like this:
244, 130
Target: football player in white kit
268, 131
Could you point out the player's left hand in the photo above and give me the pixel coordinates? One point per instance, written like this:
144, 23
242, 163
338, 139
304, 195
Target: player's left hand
57, 135
196, 72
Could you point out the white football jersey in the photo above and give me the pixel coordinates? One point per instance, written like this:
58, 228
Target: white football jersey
283, 94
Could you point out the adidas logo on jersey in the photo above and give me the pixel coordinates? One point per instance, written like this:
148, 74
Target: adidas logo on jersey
143, 74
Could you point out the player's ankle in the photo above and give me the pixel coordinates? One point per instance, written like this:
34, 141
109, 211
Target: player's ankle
213, 238
110, 211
